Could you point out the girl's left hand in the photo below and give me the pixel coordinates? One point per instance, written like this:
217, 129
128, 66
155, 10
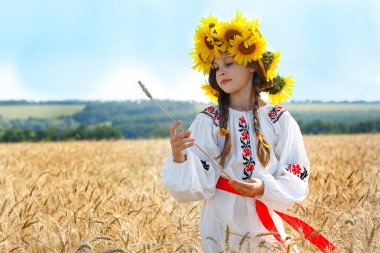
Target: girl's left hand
250, 188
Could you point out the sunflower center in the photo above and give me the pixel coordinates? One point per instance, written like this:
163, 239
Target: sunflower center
245, 50
208, 44
230, 34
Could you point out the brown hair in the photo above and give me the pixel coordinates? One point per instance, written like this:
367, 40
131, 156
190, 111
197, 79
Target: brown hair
258, 81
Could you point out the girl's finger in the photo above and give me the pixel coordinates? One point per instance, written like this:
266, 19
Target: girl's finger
185, 134
187, 145
186, 140
174, 127
239, 183
237, 187
244, 188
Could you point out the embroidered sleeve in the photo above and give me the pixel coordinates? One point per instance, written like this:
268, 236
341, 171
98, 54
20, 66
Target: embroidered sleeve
195, 179
276, 112
213, 113
289, 184
298, 170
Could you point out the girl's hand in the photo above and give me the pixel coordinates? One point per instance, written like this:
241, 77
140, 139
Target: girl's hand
250, 188
179, 142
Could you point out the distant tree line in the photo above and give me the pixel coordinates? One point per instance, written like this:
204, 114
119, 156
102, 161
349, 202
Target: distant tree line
142, 119
86, 102
26, 102
81, 132
321, 126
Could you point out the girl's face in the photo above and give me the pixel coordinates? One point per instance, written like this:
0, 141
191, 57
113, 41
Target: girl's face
233, 78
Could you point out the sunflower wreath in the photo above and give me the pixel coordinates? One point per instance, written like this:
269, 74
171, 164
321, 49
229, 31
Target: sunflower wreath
239, 38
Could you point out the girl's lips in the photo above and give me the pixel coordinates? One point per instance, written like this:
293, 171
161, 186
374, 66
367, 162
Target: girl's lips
223, 82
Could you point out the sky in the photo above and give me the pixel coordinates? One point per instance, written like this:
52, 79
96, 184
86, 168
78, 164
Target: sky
98, 50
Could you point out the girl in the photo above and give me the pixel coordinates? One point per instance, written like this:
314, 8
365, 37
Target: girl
258, 144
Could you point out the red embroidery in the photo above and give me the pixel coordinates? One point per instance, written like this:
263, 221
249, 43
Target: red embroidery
247, 152
272, 114
297, 170
249, 167
211, 109
249, 163
276, 113
213, 113
217, 118
244, 135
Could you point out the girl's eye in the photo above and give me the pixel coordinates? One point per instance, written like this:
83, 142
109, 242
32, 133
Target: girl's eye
229, 64
216, 69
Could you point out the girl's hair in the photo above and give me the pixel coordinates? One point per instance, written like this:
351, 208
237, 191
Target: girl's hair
258, 81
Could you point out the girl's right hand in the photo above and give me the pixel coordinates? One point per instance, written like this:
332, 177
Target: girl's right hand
179, 142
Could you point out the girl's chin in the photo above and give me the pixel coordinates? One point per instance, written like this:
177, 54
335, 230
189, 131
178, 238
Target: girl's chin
226, 90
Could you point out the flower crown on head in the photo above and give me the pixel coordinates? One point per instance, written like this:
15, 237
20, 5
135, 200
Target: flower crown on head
240, 38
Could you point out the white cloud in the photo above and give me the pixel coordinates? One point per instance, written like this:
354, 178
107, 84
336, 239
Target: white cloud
187, 86
121, 83
11, 84
377, 79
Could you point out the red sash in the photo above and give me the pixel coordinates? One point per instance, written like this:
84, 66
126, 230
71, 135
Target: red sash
262, 211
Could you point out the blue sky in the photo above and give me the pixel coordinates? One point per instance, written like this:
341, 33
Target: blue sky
55, 50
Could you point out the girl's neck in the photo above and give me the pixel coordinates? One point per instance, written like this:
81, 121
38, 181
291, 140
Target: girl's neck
245, 104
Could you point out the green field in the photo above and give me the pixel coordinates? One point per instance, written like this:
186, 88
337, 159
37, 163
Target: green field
329, 107
335, 112
307, 111
38, 111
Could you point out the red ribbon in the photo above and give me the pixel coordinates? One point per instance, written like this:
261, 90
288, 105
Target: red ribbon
262, 210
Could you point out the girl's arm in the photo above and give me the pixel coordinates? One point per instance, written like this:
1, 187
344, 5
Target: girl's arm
289, 184
187, 174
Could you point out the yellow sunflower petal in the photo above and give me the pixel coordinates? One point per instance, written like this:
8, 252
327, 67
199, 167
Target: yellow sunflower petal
206, 43
210, 92
209, 21
271, 71
243, 54
284, 94
200, 64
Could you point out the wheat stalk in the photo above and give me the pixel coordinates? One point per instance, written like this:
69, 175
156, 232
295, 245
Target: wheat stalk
149, 95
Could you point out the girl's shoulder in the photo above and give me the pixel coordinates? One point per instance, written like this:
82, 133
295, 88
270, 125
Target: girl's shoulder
276, 112
281, 119
211, 112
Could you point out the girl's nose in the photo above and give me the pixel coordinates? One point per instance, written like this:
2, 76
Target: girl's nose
221, 72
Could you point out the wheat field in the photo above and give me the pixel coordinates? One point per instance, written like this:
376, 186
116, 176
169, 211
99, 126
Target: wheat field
107, 196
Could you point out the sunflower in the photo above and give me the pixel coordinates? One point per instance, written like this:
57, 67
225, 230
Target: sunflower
254, 25
211, 93
206, 44
226, 31
211, 22
281, 90
248, 47
199, 63
270, 61
239, 17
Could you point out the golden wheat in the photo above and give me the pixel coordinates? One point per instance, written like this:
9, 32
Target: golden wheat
107, 196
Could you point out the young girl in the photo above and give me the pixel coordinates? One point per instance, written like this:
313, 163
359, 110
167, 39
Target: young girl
258, 144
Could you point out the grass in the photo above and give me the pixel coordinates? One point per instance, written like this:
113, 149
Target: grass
333, 107
38, 111
108, 196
